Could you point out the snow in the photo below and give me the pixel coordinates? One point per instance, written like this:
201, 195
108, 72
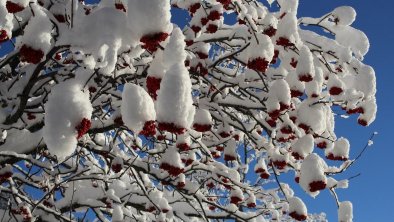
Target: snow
174, 102
297, 207
137, 107
303, 146
340, 150
67, 106
305, 68
149, 17
345, 211
38, 32
312, 170
344, 15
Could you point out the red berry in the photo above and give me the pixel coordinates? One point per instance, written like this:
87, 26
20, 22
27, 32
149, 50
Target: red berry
214, 15
362, 122
317, 185
183, 146
224, 134
149, 128
30, 55
258, 64
193, 8
196, 28
3, 36
297, 216
251, 205
335, 91
151, 42
304, 127
13, 7
212, 28
83, 127
293, 63
280, 164
275, 58
235, 200
153, 84
116, 167
60, 18
270, 31
296, 93
305, 77
201, 127
282, 41
172, 128
120, 7
322, 145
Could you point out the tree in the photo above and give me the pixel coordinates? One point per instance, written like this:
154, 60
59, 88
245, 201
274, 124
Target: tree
110, 111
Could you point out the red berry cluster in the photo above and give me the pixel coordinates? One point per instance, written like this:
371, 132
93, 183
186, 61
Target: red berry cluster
271, 122
297, 156
215, 154
119, 121
235, 200
187, 162
305, 127
13, 7
225, 134
225, 3
280, 164
180, 185
120, 7
172, 128
331, 156
83, 127
117, 167
258, 64
4, 176
30, 55
202, 127
92, 89
183, 146
193, 8
317, 185
251, 205
293, 63
202, 55
199, 68
228, 157
299, 217
275, 58
296, 93
3, 36
214, 15
31, 116
305, 77
322, 145
286, 130
355, 110
270, 31
172, 170
149, 128
263, 173
60, 18
362, 122
153, 84
212, 28
335, 90
151, 42
282, 41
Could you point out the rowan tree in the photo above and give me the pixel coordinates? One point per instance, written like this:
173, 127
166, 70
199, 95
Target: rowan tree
109, 111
